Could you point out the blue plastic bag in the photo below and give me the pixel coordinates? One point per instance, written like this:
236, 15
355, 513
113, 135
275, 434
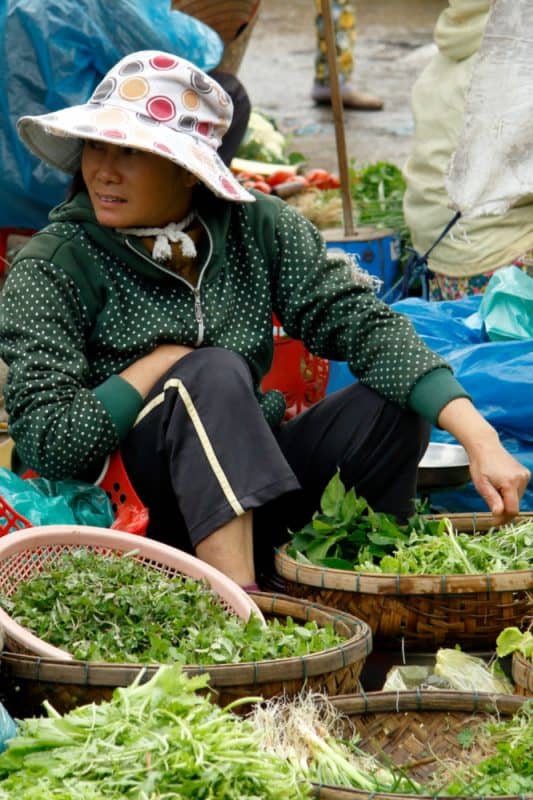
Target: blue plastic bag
498, 376
8, 729
67, 502
507, 305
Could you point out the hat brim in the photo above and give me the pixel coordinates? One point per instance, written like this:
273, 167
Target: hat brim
57, 138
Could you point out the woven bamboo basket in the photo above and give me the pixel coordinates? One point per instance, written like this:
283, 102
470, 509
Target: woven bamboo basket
522, 671
27, 680
420, 612
233, 20
414, 730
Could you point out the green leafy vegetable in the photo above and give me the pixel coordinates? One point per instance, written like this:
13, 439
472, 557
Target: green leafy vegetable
111, 608
510, 770
512, 639
347, 534
162, 739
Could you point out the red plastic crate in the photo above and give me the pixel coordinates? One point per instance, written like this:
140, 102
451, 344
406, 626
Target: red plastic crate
301, 376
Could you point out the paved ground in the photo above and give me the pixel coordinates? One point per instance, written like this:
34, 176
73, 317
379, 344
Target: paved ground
395, 42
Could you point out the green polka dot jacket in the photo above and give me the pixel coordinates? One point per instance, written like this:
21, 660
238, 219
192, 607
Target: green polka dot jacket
82, 302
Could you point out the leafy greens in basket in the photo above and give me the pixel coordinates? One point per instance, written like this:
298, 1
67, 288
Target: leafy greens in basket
347, 534
112, 608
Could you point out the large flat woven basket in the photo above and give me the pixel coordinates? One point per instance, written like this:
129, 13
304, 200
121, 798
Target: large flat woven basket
420, 612
24, 553
415, 730
27, 680
522, 671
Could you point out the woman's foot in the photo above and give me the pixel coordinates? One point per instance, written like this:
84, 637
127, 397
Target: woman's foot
351, 97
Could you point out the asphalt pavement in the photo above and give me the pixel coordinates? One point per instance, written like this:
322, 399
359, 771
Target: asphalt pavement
394, 44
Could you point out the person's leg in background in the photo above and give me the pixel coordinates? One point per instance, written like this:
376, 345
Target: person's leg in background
344, 21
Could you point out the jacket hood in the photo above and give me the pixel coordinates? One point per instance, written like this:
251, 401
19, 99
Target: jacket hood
460, 28
214, 213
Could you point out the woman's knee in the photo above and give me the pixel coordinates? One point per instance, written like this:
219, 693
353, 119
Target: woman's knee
215, 369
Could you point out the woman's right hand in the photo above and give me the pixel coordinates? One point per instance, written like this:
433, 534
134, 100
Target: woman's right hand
145, 372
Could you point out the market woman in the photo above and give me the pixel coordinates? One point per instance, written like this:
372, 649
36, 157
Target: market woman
141, 317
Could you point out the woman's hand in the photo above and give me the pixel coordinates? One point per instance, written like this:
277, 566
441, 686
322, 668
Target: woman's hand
498, 477
145, 372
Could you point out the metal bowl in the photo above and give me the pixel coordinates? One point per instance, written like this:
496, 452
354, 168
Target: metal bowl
443, 466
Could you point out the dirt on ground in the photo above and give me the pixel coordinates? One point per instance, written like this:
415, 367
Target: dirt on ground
394, 44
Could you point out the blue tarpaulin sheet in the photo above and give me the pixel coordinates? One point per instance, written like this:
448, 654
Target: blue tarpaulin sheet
497, 375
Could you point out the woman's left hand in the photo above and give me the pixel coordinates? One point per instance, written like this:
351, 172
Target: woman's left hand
499, 478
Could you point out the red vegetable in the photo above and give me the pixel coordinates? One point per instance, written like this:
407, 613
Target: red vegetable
322, 179
280, 176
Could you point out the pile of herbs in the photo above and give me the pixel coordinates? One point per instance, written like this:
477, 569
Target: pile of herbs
347, 534
162, 739
112, 608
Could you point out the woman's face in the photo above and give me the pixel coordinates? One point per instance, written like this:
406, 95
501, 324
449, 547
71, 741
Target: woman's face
130, 188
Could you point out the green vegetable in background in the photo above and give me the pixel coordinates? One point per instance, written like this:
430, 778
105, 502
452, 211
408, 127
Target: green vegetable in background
111, 608
378, 190
162, 739
512, 640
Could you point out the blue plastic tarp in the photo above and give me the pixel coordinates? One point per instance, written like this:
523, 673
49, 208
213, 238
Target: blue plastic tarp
497, 375
53, 54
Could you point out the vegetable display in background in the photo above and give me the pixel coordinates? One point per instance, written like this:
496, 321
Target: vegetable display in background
347, 534
162, 739
112, 608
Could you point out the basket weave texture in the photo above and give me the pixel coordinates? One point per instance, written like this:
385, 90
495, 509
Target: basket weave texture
23, 554
420, 612
233, 20
27, 680
522, 671
415, 730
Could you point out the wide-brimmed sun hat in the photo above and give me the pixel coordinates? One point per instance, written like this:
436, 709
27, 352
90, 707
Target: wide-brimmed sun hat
149, 101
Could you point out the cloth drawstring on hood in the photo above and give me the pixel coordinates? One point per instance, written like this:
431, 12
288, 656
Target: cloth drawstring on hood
173, 232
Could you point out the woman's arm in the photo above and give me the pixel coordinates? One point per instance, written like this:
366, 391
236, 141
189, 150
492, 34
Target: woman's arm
145, 372
498, 477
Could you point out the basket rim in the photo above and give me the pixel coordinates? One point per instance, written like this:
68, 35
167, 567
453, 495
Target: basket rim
398, 584
38, 537
355, 648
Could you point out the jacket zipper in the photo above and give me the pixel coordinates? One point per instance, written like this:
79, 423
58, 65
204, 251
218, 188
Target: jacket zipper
198, 310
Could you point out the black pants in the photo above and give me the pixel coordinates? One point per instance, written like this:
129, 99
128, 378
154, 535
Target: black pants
201, 453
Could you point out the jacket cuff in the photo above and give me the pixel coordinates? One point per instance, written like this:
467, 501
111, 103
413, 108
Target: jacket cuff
433, 391
121, 401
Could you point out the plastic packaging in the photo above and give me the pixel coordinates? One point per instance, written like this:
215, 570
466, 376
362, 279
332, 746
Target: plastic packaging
44, 502
8, 729
507, 305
